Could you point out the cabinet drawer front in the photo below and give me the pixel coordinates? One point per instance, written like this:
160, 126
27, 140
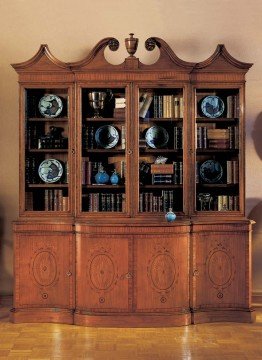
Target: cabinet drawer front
220, 270
104, 279
161, 273
44, 271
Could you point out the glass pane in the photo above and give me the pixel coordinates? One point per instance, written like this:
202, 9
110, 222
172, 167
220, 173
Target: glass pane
103, 150
161, 113
46, 150
217, 149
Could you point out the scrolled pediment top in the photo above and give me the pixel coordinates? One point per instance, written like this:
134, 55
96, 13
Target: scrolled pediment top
43, 59
222, 54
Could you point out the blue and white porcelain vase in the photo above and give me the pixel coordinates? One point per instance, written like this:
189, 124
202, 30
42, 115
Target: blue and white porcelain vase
114, 178
170, 215
101, 177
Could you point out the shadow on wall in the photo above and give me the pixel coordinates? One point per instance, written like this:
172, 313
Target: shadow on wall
6, 248
256, 135
256, 215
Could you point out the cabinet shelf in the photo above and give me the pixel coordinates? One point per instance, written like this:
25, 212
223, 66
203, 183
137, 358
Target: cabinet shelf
150, 151
54, 119
144, 121
99, 151
162, 186
222, 186
211, 120
105, 119
208, 151
38, 186
47, 151
101, 187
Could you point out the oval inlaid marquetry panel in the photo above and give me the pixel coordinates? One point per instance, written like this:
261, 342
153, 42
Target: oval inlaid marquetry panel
102, 272
44, 268
162, 271
219, 268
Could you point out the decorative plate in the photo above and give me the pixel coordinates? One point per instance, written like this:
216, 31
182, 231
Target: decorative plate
212, 106
106, 136
50, 105
156, 137
50, 170
211, 171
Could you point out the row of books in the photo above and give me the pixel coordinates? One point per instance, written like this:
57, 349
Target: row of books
213, 138
220, 203
55, 200
38, 139
150, 202
232, 172
232, 106
173, 175
50, 200
163, 106
103, 202
227, 203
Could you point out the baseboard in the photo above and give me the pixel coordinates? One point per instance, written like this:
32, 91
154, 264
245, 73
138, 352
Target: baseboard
257, 299
7, 300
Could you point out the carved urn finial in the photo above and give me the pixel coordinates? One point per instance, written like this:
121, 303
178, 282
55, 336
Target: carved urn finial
131, 44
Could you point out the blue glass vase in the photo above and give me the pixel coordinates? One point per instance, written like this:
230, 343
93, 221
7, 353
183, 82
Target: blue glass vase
102, 177
114, 178
170, 216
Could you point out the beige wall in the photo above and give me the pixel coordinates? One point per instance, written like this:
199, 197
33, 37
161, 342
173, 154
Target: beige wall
192, 28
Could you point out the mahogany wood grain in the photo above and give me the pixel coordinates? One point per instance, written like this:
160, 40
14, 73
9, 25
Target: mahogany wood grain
131, 268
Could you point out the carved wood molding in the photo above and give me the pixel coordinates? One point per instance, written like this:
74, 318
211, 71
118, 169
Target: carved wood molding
220, 61
43, 57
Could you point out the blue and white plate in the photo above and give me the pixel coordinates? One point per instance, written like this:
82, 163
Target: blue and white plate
50, 170
106, 136
156, 137
211, 171
212, 106
50, 105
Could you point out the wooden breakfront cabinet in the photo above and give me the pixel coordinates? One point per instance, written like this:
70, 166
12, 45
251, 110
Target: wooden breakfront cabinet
95, 249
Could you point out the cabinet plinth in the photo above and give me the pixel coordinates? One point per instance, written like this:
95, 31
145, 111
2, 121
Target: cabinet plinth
105, 152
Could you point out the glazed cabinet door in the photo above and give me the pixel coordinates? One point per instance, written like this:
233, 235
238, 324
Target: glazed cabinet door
103, 274
221, 271
44, 270
161, 273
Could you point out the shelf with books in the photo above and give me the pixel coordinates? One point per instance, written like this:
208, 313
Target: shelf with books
103, 149
161, 112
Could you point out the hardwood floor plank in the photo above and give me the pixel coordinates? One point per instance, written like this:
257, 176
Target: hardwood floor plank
216, 341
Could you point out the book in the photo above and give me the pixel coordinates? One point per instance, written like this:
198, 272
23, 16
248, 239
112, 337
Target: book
145, 106
162, 169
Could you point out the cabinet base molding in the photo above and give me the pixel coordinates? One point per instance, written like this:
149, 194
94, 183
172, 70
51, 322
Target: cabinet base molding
208, 316
132, 320
36, 315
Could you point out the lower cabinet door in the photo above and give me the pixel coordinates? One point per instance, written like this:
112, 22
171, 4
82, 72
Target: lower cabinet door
221, 274
104, 280
161, 273
44, 270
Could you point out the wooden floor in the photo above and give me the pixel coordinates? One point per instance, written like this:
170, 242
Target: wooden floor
206, 341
